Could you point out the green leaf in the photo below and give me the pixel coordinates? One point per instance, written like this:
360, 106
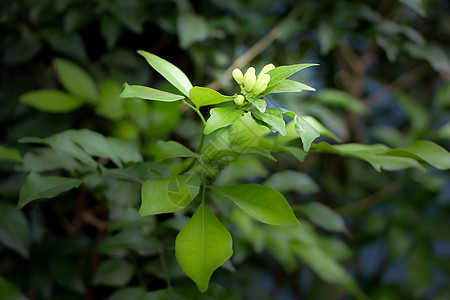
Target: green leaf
113, 272
75, 79
67, 273
260, 202
427, 151
110, 105
52, 101
328, 36
134, 292
290, 86
289, 180
326, 267
221, 117
416, 5
10, 154
38, 187
170, 149
420, 271
364, 152
14, 230
280, 73
147, 93
169, 71
322, 216
10, 291
341, 99
169, 194
272, 117
260, 104
306, 132
202, 96
202, 246
191, 28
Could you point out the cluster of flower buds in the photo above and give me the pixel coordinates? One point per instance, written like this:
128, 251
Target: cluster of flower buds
251, 83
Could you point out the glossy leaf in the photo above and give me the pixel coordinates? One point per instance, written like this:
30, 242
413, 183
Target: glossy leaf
52, 101
113, 272
168, 194
202, 96
260, 202
280, 73
38, 187
170, 149
273, 118
427, 151
10, 154
291, 86
10, 291
147, 93
221, 117
260, 104
323, 216
202, 246
14, 230
364, 152
75, 79
169, 71
306, 132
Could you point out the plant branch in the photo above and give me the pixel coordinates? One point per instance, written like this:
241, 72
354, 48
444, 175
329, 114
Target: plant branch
196, 110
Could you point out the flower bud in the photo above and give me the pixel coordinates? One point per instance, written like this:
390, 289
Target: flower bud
249, 79
239, 100
237, 75
266, 69
261, 84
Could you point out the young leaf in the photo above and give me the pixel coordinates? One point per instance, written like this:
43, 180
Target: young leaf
273, 118
169, 71
147, 93
14, 230
168, 194
260, 104
202, 246
260, 202
290, 86
307, 132
202, 96
75, 79
37, 187
172, 149
221, 117
52, 101
428, 151
283, 72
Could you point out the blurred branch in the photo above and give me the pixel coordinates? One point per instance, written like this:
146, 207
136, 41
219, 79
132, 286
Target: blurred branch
256, 49
405, 81
367, 202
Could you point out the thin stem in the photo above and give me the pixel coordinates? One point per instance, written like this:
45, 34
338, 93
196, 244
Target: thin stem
164, 268
196, 110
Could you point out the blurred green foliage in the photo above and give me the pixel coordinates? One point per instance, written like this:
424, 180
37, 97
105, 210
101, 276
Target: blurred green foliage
383, 79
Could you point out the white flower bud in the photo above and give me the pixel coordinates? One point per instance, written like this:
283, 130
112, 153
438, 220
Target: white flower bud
239, 100
237, 75
261, 84
249, 79
266, 69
